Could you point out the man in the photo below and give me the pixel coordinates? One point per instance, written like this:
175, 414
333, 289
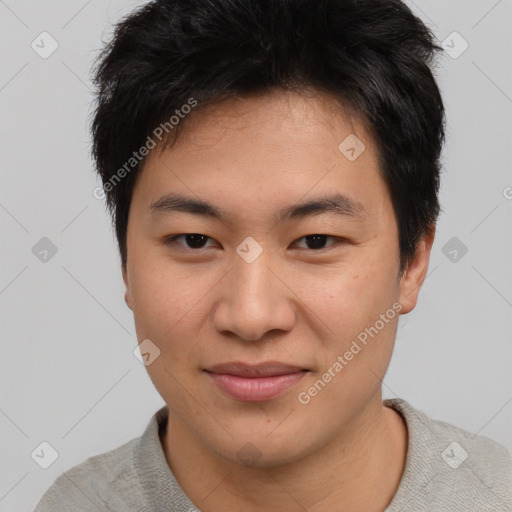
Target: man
272, 168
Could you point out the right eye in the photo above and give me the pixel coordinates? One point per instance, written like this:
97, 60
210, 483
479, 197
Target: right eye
193, 240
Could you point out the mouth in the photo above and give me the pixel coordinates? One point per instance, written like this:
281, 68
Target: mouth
255, 383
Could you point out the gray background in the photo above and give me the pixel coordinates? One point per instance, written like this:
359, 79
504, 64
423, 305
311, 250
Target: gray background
68, 373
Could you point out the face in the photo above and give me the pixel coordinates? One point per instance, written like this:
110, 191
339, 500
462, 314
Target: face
257, 304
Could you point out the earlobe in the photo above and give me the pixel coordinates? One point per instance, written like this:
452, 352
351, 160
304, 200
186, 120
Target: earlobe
127, 299
416, 272
127, 295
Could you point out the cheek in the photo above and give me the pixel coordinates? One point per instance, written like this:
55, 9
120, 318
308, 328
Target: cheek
169, 302
351, 306
348, 298
167, 310
155, 304
351, 303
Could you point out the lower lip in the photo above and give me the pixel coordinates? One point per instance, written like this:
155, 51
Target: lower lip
256, 389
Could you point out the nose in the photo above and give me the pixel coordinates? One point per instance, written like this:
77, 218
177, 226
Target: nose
254, 300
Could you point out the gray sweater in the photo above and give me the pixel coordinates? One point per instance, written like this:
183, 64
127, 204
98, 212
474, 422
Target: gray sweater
447, 470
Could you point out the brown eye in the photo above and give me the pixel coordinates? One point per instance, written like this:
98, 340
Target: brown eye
318, 241
191, 240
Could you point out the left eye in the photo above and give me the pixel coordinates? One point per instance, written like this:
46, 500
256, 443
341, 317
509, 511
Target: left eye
317, 242
197, 241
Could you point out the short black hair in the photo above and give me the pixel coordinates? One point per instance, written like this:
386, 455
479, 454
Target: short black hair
375, 56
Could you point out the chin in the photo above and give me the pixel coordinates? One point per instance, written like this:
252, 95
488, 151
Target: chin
259, 451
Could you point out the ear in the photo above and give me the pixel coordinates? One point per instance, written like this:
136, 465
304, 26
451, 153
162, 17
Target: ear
415, 273
127, 294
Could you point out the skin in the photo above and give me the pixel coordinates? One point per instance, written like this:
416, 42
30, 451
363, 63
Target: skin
294, 304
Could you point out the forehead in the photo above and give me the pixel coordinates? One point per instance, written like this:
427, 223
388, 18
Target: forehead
305, 116
265, 148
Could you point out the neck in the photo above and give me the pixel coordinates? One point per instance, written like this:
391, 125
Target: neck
369, 453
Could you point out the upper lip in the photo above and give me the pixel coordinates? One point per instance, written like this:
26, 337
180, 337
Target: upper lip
266, 369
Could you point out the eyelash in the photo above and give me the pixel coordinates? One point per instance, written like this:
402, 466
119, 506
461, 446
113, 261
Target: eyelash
172, 240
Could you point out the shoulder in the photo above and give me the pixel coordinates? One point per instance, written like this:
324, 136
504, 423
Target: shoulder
103, 482
450, 468
482, 451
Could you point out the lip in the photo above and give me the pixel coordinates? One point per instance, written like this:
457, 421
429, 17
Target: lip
255, 383
265, 369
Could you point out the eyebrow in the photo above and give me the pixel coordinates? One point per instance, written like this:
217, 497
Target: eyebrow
336, 203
